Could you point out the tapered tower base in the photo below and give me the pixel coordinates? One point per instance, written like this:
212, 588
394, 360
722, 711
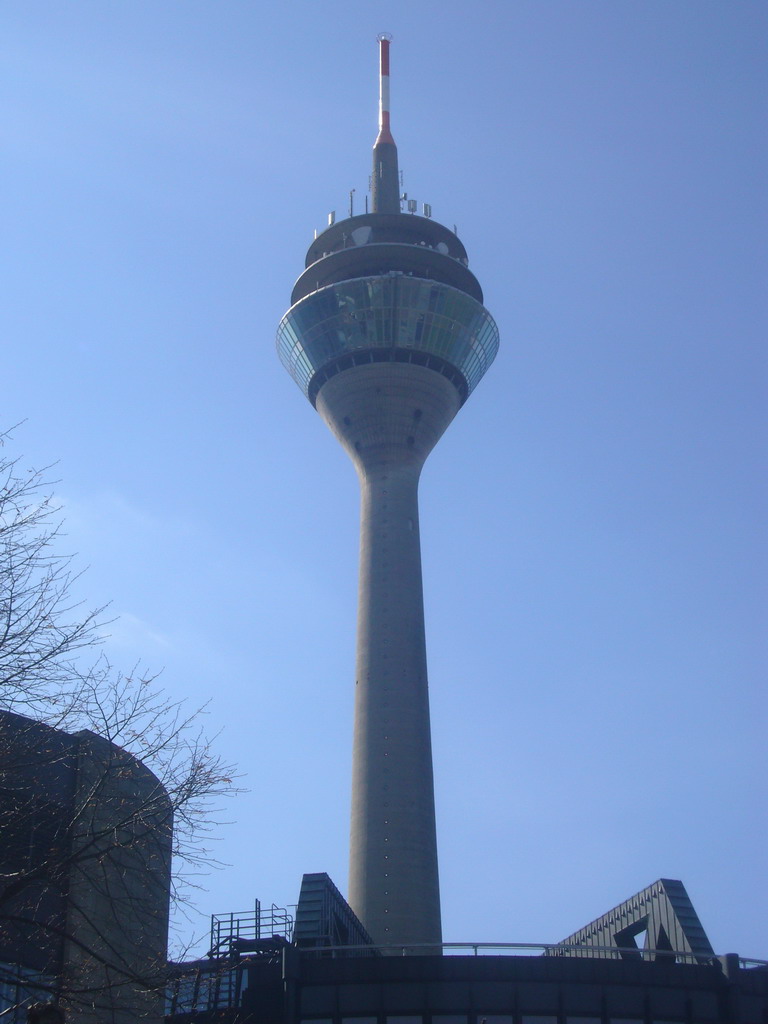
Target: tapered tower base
389, 417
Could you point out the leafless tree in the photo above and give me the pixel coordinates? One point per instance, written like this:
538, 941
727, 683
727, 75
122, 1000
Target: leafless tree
42, 629
102, 780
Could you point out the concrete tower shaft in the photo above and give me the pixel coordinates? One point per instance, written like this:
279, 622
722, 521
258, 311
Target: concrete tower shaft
389, 417
387, 337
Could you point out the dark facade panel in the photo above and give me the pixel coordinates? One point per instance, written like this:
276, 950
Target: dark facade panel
318, 999
538, 997
583, 999
359, 999
492, 996
705, 1006
626, 1000
405, 997
668, 1002
447, 995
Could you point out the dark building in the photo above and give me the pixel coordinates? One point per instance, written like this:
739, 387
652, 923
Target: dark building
85, 853
647, 961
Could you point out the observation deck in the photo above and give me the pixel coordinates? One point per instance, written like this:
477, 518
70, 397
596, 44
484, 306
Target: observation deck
387, 288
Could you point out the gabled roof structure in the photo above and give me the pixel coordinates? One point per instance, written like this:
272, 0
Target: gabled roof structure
658, 919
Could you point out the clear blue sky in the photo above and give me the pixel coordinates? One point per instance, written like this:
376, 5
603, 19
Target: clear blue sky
593, 522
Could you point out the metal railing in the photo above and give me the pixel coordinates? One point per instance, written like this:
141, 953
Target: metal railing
251, 925
533, 949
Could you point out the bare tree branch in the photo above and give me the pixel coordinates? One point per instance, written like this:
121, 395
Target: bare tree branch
102, 780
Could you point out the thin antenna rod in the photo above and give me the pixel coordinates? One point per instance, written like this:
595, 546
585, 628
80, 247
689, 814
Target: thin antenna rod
385, 185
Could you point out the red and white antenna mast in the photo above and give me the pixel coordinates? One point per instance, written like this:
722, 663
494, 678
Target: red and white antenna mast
385, 182
385, 133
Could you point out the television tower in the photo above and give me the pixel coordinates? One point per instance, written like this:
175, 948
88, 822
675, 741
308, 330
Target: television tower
387, 337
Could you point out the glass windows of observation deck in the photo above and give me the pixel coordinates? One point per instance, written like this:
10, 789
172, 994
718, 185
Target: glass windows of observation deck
382, 313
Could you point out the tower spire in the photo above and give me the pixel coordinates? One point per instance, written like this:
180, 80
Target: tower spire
385, 190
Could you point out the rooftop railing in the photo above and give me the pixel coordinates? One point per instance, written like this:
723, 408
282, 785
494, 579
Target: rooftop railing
533, 949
